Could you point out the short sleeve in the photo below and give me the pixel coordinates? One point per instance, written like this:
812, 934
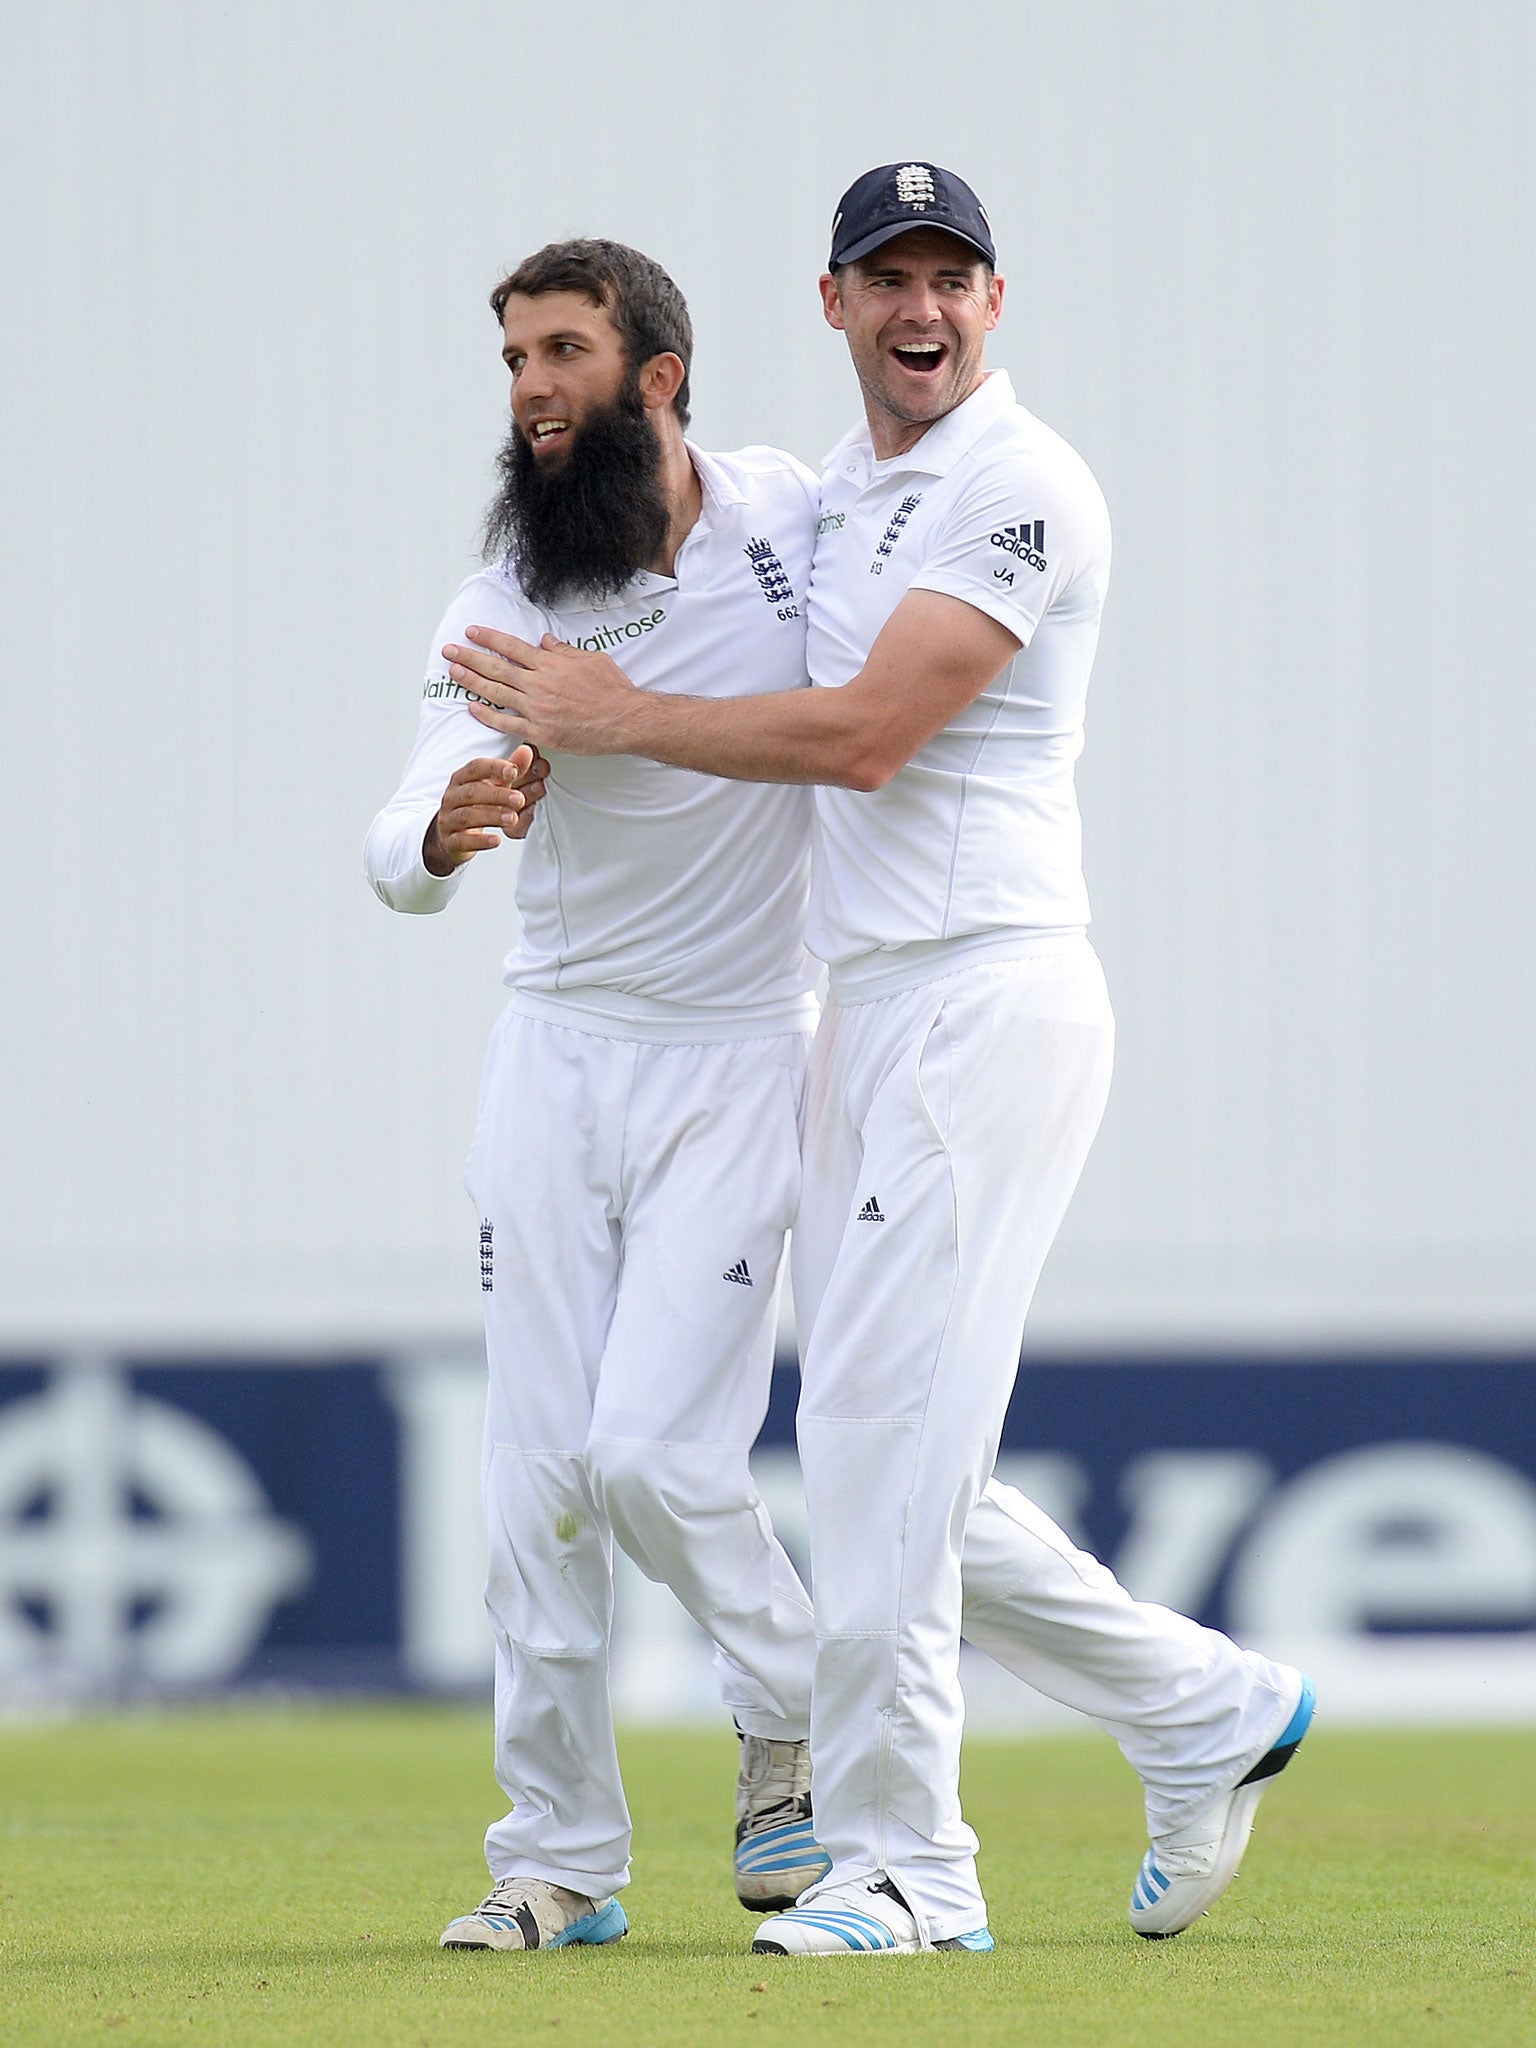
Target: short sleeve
1023, 535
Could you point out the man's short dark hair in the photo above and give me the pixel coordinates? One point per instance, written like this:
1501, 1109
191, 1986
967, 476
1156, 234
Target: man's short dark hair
839, 271
642, 301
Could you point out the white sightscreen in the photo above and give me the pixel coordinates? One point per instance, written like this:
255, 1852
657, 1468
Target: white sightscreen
1268, 267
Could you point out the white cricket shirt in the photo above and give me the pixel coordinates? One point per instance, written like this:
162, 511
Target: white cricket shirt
977, 840
665, 902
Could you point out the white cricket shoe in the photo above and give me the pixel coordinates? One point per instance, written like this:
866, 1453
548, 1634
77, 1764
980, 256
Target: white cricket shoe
526, 1912
866, 1918
777, 1854
1183, 1874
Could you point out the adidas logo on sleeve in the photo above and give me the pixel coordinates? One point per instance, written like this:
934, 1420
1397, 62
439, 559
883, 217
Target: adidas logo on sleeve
1026, 540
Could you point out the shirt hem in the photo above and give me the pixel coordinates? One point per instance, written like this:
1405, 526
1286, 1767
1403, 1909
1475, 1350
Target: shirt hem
613, 1013
890, 969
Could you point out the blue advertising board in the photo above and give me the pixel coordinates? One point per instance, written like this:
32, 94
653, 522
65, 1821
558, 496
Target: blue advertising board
183, 1525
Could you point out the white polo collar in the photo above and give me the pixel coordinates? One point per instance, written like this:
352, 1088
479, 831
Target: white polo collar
715, 479
719, 492
940, 448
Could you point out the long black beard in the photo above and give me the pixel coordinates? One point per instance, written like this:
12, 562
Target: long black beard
584, 528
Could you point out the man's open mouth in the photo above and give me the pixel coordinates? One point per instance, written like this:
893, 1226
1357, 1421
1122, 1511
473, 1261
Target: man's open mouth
543, 432
923, 356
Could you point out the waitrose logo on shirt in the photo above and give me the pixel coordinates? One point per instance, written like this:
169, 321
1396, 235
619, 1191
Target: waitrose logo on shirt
601, 642
608, 637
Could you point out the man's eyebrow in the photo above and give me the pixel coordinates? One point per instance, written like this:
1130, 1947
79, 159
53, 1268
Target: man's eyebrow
908, 270
564, 334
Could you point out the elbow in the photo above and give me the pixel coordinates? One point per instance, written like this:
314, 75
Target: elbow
868, 768
867, 752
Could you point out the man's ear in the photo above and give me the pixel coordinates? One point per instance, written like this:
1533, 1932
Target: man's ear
832, 300
660, 381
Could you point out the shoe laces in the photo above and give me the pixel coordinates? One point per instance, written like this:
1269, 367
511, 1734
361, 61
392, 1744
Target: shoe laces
507, 1893
773, 1776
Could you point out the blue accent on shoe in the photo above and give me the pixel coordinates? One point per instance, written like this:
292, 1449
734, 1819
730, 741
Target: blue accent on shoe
979, 1941
1301, 1720
791, 1847
858, 1931
608, 1923
1150, 1884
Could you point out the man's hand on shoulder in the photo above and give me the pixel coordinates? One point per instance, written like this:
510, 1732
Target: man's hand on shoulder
484, 803
552, 695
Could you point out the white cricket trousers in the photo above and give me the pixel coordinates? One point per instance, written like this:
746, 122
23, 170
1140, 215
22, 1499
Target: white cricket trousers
634, 1199
946, 1127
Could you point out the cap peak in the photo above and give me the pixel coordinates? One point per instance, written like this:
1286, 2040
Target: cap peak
893, 198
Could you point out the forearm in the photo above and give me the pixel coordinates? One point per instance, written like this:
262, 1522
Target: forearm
789, 736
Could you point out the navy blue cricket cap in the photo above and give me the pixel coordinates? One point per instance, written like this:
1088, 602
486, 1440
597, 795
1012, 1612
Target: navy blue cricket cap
899, 197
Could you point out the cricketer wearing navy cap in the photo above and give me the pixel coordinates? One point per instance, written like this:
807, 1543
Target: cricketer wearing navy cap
956, 1083
895, 199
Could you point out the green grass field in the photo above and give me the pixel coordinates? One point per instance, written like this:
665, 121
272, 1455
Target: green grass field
240, 1877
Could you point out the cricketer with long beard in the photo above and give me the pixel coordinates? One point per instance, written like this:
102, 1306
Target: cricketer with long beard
635, 1163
